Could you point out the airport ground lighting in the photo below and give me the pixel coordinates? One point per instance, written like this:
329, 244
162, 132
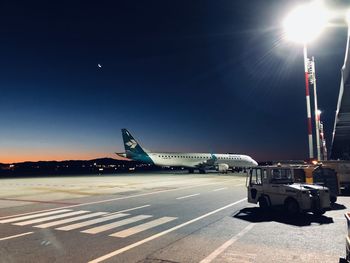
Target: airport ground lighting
303, 25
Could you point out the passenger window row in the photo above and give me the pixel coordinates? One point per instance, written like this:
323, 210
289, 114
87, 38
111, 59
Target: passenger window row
198, 157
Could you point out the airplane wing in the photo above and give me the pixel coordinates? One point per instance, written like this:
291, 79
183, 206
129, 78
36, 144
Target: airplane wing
122, 156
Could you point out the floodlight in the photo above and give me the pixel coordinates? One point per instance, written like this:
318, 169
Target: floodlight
306, 22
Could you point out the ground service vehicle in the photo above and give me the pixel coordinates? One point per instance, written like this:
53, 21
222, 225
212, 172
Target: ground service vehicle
274, 186
318, 175
343, 171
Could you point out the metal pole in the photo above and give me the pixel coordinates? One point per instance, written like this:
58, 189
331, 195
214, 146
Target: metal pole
317, 114
324, 147
308, 108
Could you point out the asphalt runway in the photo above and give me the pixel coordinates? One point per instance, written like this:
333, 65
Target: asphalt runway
156, 218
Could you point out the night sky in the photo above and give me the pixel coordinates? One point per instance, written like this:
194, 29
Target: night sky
196, 76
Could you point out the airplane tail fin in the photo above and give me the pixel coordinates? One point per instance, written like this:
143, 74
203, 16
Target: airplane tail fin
133, 150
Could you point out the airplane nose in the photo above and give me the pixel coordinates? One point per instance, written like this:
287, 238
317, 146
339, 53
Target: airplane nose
254, 163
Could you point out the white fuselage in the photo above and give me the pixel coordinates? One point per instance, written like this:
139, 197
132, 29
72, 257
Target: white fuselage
193, 160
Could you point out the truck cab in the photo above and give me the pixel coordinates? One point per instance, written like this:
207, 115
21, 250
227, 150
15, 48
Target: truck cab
271, 186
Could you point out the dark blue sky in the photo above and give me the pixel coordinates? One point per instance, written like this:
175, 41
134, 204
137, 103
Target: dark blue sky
202, 76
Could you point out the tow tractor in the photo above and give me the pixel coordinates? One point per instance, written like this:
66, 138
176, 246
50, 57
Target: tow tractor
271, 186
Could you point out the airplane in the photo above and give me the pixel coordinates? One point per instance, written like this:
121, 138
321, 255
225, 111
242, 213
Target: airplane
191, 161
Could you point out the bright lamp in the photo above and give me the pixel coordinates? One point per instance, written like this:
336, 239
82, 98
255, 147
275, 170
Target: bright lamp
306, 22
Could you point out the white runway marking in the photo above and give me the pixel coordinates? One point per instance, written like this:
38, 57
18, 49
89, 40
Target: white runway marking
64, 221
140, 228
113, 199
228, 243
186, 196
127, 210
33, 216
39, 220
106, 227
90, 222
219, 189
19, 235
126, 248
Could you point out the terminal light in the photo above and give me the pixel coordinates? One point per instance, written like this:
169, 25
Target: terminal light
306, 22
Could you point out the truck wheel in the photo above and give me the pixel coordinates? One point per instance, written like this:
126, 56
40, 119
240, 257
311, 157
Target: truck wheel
292, 207
319, 212
333, 199
263, 204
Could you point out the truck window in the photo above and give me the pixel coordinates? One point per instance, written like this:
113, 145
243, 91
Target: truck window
281, 176
265, 174
255, 177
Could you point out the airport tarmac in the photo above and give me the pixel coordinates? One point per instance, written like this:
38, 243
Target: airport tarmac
156, 218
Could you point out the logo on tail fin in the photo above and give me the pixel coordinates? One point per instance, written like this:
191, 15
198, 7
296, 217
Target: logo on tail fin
132, 143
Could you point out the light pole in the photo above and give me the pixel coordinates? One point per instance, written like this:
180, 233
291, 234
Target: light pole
308, 106
323, 140
317, 111
303, 25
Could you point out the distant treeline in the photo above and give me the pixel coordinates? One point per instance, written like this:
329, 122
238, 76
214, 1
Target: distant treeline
96, 166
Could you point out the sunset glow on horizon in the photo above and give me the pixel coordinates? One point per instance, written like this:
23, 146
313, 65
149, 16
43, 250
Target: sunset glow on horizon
34, 156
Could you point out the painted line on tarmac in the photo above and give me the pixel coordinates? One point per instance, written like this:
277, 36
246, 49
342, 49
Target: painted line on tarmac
22, 218
106, 227
228, 243
38, 201
114, 199
187, 196
54, 217
143, 227
219, 189
126, 210
19, 235
126, 248
90, 222
69, 220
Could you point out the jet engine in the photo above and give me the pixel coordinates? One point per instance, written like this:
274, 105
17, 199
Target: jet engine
222, 168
